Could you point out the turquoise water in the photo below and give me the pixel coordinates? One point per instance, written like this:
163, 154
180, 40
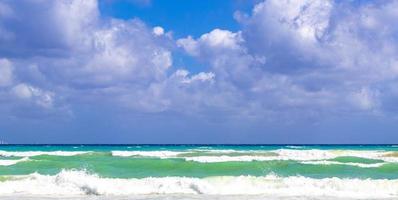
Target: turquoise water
191, 169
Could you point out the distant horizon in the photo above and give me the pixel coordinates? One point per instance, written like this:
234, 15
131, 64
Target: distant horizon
210, 144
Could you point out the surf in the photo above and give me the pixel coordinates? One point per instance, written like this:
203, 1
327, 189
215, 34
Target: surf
73, 182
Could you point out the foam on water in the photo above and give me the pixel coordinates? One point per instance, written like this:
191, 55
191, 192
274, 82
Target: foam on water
213, 159
12, 162
71, 183
38, 153
326, 162
295, 147
248, 156
316, 154
160, 154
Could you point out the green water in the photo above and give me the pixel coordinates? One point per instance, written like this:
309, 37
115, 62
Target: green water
99, 160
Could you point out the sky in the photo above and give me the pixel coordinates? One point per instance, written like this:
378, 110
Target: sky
199, 71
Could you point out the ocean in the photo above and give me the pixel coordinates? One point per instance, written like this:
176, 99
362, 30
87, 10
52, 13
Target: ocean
198, 172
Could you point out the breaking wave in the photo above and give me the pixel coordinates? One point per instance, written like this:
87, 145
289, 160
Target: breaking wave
160, 154
248, 156
326, 162
38, 153
12, 162
83, 183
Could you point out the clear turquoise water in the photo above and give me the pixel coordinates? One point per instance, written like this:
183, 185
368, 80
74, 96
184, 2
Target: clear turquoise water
99, 160
139, 162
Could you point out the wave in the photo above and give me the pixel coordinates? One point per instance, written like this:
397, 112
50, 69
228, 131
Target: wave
312, 156
327, 162
38, 153
82, 183
12, 162
315, 154
213, 159
160, 154
295, 147
252, 155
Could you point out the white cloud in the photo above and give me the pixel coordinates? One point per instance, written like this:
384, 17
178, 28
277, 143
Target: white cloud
304, 20
226, 52
305, 56
158, 31
22, 91
6, 72
121, 52
85, 50
121, 62
36, 95
329, 46
216, 40
221, 39
365, 99
288, 33
202, 76
65, 24
291, 58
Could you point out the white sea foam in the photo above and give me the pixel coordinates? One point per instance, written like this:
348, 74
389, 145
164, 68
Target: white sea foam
255, 155
326, 162
12, 162
226, 151
160, 154
212, 159
295, 147
316, 154
170, 154
82, 183
299, 155
282, 154
37, 153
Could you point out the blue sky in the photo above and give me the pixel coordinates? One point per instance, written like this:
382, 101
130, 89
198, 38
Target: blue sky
189, 71
183, 17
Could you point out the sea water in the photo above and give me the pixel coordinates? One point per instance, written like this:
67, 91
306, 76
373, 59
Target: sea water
198, 172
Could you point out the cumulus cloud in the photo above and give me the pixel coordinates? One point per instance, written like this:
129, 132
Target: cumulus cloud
157, 30
216, 41
86, 57
121, 52
323, 34
28, 21
290, 58
307, 56
84, 50
26, 100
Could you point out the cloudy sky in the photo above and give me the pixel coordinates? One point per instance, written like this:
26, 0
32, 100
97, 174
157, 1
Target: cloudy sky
190, 71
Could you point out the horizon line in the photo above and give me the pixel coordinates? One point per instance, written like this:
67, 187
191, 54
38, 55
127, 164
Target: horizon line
197, 144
